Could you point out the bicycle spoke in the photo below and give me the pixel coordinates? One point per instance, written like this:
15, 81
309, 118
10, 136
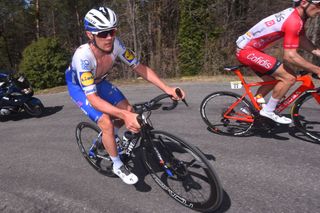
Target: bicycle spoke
225, 114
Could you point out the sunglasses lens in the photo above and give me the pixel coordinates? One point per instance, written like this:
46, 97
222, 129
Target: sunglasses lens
105, 34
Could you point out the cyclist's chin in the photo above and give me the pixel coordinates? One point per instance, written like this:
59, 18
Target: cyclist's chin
108, 48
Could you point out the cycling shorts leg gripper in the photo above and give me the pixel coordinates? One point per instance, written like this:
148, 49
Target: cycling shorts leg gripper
80, 99
260, 62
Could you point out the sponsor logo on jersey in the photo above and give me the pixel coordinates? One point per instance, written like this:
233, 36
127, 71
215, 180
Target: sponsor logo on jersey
259, 60
85, 64
249, 34
270, 23
86, 78
129, 55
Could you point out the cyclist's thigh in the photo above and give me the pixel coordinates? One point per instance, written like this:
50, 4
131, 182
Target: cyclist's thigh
284, 73
80, 99
261, 63
110, 93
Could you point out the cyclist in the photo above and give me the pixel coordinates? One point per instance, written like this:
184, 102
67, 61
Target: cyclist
289, 25
98, 98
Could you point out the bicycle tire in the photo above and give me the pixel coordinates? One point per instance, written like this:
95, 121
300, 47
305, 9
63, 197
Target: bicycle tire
86, 133
182, 187
303, 115
213, 108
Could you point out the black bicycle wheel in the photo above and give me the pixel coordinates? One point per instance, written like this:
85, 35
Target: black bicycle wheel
213, 112
34, 107
187, 175
305, 115
87, 135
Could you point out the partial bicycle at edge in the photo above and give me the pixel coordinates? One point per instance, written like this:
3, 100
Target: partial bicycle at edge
229, 113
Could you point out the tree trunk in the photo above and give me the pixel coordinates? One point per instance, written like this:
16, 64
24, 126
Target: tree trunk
37, 19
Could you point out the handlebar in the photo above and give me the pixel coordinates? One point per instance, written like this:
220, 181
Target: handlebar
154, 104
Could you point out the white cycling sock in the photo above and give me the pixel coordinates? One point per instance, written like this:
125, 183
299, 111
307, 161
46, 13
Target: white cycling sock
117, 163
271, 105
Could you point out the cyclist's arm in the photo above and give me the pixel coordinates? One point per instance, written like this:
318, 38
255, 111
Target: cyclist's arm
148, 74
307, 45
292, 56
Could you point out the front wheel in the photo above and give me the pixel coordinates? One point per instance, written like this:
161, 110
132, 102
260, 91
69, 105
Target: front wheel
182, 171
87, 136
305, 115
227, 113
34, 107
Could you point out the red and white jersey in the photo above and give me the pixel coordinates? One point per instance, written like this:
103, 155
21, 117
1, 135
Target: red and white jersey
286, 24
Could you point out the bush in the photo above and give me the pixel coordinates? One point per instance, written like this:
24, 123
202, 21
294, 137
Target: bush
44, 63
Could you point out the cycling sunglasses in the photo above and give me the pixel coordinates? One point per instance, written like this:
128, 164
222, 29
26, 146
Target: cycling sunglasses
104, 34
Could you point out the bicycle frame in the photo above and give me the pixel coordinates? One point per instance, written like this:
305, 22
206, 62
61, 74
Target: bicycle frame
306, 86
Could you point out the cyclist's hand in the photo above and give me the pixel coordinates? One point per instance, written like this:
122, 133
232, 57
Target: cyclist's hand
131, 122
172, 91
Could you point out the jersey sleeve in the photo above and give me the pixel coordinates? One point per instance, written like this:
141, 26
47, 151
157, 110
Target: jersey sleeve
126, 55
84, 65
292, 29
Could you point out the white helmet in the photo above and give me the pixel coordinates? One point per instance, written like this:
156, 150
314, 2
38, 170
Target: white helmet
311, 1
100, 19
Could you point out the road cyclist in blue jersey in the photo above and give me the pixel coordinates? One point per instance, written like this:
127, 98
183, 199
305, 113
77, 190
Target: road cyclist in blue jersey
103, 102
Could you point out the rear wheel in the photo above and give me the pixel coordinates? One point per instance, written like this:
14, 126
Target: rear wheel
88, 135
223, 115
305, 115
183, 172
34, 107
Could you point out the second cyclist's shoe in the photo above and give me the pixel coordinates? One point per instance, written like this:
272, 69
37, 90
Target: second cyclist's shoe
126, 176
276, 118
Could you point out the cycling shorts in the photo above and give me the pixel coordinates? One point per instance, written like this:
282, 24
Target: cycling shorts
105, 90
260, 62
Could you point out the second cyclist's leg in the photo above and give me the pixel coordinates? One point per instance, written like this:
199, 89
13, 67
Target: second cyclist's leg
265, 89
286, 79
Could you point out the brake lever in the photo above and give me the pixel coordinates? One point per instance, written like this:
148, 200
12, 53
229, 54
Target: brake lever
179, 93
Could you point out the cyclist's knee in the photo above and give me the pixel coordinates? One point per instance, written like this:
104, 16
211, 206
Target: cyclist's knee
288, 79
105, 123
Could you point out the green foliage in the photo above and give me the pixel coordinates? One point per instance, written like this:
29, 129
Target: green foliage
193, 31
44, 63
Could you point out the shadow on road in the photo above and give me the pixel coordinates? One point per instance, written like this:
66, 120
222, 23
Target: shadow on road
23, 115
266, 129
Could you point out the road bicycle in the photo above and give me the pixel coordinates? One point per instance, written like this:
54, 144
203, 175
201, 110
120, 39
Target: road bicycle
229, 113
178, 167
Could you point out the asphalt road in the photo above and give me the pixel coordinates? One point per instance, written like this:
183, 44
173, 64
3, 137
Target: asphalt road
42, 170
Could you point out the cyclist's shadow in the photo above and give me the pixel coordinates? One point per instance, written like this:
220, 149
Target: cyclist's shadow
269, 129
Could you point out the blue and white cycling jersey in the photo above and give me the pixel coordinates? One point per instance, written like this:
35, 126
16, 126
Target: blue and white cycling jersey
84, 65
83, 78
